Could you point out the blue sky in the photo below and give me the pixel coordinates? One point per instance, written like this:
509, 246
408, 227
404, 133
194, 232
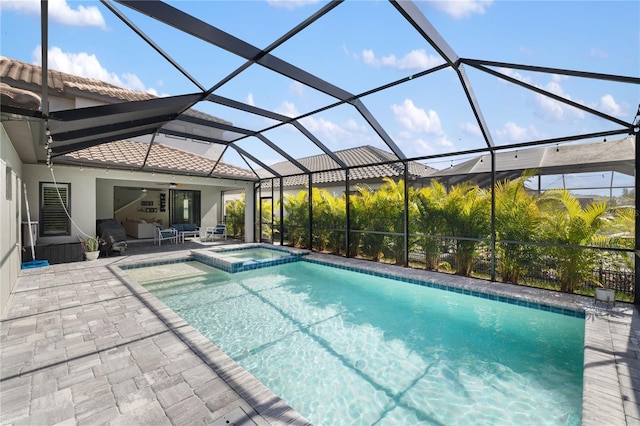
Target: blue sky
358, 46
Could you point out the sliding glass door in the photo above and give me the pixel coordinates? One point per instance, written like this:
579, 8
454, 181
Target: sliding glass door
184, 206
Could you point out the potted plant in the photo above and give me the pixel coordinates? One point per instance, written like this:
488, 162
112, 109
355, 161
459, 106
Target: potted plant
91, 247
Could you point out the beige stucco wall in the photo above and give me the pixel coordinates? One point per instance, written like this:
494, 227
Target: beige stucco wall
82, 202
10, 212
92, 193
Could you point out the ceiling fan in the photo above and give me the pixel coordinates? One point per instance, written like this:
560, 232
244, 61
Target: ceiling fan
171, 184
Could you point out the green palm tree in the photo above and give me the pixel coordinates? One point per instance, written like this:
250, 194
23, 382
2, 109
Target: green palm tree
357, 217
297, 219
329, 214
390, 211
430, 220
370, 214
516, 219
467, 215
567, 223
235, 216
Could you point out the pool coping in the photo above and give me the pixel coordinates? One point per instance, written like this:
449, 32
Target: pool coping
611, 385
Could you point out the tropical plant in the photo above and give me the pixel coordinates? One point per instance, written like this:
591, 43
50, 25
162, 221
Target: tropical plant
516, 219
329, 215
372, 216
297, 219
429, 220
267, 220
91, 244
357, 216
467, 215
391, 195
235, 215
568, 224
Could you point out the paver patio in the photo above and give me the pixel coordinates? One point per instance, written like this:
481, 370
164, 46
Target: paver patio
85, 344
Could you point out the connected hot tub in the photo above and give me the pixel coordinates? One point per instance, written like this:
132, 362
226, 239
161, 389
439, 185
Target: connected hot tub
246, 257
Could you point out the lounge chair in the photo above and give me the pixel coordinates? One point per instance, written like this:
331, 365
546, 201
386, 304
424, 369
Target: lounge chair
165, 234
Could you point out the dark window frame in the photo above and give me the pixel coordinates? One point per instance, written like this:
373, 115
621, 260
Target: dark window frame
54, 221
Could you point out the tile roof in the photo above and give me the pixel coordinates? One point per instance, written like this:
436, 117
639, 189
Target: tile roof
24, 75
352, 157
162, 158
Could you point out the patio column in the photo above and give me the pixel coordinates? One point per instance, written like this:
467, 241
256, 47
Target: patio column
281, 198
406, 213
347, 186
250, 214
493, 215
310, 212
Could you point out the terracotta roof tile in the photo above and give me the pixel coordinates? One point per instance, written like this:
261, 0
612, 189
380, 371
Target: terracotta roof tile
129, 154
21, 74
352, 157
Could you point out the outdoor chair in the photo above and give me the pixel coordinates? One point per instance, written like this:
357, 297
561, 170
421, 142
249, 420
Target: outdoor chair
219, 230
165, 234
186, 230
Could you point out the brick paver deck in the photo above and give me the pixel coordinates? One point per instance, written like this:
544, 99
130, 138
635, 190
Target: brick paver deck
84, 344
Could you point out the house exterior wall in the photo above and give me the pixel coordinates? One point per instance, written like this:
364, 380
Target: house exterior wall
10, 215
82, 200
92, 194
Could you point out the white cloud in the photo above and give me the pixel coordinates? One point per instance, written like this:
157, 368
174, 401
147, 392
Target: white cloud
132, 81
416, 146
416, 59
510, 72
417, 119
557, 78
609, 106
416, 122
553, 110
288, 109
85, 65
290, 4
347, 52
471, 129
462, 8
511, 132
546, 107
59, 12
250, 100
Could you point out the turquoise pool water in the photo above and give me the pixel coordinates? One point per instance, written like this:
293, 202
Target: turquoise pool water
344, 348
258, 253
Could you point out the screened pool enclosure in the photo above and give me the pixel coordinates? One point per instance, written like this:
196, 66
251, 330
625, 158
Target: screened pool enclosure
548, 202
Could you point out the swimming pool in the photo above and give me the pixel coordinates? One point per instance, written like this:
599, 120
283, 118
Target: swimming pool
347, 348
